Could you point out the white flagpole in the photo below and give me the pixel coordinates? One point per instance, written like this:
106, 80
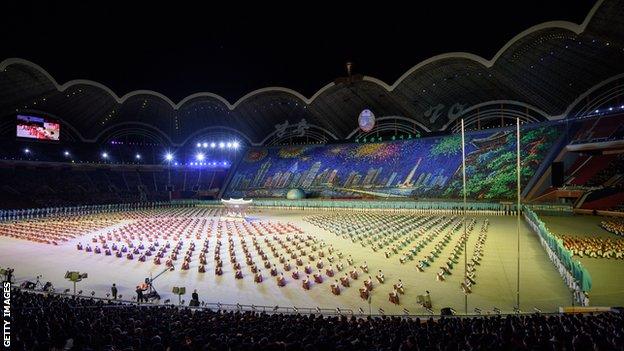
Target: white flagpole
518, 211
464, 213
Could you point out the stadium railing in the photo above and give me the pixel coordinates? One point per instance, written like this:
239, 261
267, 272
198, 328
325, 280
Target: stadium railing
324, 311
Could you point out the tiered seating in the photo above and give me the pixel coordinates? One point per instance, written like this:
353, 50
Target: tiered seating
590, 169
49, 187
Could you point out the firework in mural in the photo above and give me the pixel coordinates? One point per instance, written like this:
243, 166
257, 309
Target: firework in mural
428, 167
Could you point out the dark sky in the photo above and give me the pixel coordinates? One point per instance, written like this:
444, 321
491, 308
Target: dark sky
179, 49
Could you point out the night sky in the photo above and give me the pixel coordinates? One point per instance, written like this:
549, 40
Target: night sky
179, 50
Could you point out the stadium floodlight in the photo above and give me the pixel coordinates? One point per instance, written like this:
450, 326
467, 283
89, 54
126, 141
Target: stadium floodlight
199, 156
205, 145
213, 145
137, 156
168, 156
221, 145
105, 155
235, 144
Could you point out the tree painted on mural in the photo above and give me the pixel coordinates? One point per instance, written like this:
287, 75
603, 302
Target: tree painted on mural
492, 172
424, 168
447, 146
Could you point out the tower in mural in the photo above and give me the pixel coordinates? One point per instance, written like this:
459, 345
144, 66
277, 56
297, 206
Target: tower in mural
408, 183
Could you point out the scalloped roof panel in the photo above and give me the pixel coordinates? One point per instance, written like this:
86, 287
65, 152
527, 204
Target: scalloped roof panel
546, 67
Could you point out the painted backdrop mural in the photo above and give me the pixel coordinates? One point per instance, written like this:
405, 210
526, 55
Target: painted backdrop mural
422, 168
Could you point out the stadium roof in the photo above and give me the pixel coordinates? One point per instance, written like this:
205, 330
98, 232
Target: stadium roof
543, 69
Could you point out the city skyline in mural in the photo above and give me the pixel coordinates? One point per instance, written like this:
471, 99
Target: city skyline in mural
417, 168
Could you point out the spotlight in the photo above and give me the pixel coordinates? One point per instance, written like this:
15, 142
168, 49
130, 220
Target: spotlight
26, 150
221, 145
199, 157
205, 145
213, 145
199, 144
224, 163
66, 153
229, 145
168, 156
104, 154
235, 144
137, 156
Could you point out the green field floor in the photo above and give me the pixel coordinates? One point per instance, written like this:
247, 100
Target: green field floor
607, 274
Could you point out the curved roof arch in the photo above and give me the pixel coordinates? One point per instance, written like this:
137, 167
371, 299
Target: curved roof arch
573, 27
435, 84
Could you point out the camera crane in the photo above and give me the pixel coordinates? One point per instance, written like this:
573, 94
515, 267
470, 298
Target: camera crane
149, 285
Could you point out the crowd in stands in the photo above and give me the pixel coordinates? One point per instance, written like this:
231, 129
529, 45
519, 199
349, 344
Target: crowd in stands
48, 322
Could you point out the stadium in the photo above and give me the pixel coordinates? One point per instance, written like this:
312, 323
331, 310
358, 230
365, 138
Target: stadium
472, 203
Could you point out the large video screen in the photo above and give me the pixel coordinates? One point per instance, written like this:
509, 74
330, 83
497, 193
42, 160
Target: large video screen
36, 127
